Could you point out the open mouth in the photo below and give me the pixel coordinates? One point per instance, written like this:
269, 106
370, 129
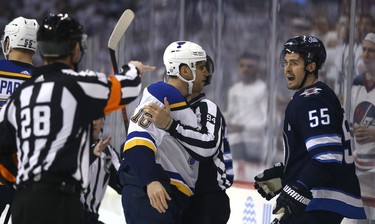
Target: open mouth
290, 78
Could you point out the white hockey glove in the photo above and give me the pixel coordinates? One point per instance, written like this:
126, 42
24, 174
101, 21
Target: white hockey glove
268, 183
292, 201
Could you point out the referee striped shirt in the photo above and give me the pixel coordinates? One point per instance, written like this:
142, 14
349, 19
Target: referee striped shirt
215, 172
49, 118
103, 170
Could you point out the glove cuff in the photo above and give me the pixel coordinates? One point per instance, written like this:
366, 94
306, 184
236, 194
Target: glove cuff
130, 71
298, 192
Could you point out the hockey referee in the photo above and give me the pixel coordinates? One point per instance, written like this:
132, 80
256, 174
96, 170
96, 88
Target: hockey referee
48, 119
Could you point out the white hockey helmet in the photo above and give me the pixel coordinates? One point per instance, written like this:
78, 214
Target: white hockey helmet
183, 52
21, 33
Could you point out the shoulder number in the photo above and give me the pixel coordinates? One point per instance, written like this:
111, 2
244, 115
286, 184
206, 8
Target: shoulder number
141, 118
319, 117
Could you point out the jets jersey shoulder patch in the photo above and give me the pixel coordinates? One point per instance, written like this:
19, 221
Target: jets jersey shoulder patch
311, 91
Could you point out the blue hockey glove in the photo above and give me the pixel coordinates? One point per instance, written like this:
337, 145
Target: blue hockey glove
268, 183
292, 201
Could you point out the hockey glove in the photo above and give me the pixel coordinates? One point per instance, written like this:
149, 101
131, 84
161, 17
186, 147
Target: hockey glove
268, 183
292, 202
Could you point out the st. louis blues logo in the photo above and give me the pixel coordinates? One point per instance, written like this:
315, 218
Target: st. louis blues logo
180, 43
311, 91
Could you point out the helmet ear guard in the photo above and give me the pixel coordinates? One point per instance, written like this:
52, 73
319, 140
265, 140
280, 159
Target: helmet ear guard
20, 33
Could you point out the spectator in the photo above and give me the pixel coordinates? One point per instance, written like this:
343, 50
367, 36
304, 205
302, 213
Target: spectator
365, 24
363, 114
246, 111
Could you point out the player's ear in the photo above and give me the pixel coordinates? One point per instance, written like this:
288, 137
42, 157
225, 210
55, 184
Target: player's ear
311, 67
184, 71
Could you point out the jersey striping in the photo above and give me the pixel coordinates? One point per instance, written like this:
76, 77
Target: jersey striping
12, 75
215, 172
102, 168
318, 151
51, 117
147, 147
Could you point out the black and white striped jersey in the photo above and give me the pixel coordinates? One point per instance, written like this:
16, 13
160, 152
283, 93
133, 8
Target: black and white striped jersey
49, 118
102, 172
215, 172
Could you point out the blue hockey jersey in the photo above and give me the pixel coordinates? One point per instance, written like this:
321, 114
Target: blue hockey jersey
318, 151
12, 74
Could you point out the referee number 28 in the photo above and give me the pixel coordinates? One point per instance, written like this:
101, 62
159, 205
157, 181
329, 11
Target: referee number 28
40, 124
318, 117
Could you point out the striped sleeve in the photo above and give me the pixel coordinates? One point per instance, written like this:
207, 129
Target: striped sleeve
118, 89
202, 142
123, 90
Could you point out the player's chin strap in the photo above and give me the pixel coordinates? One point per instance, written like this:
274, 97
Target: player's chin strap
189, 82
307, 73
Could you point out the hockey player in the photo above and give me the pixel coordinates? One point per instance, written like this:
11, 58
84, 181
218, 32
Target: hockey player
48, 120
157, 173
210, 203
318, 183
19, 45
363, 114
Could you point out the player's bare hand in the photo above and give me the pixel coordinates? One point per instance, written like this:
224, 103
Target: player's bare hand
363, 134
158, 196
159, 116
141, 67
101, 145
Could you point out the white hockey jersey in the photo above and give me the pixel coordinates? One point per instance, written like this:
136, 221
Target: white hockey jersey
363, 113
144, 138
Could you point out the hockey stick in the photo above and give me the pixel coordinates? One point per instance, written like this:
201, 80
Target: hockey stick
117, 33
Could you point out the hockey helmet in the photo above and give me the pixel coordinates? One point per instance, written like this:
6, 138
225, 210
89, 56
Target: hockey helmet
21, 33
182, 52
58, 34
310, 48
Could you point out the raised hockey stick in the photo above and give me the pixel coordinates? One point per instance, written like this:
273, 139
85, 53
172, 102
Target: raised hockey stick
117, 33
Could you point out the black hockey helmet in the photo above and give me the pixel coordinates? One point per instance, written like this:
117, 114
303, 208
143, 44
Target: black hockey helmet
310, 48
57, 35
210, 69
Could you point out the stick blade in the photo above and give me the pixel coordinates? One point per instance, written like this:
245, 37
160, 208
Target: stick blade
120, 28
